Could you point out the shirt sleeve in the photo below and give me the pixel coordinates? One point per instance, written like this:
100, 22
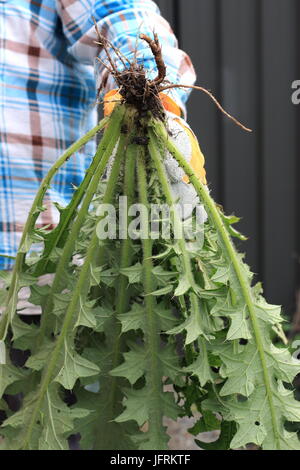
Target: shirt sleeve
121, 22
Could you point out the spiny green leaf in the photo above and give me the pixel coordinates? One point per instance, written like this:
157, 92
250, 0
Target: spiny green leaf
6, 276
134, 273
30, 239
150, 441
239, 327
38, 293
229, 221
138, 403
96, 272
207, 423
51, 428
136, 362
228, 429
223, 305
243, 368
163, 277
74, 367
10, 374
268, 313
166, 318
221, 276
61, 302
102, 315
134, 365
134, 319
238, 316
23, 333
183, 286
201, 368
55, 255
254, 420
109, 276
38, 360
113, 435
163, 291
59, 422
86, 316
193, 325
193, 329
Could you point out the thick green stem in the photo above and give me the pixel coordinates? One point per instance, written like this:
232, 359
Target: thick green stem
104, 152
126, 250
189, 350
81, 288
154, 378
232, 257
177, 223
76, 200
30, 223
122, 305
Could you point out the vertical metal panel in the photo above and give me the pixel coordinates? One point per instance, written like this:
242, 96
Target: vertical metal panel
297, 164
279, 148
240, 63
246, 53
200, 33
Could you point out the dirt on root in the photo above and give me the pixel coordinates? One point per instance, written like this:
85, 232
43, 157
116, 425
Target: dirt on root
133, 85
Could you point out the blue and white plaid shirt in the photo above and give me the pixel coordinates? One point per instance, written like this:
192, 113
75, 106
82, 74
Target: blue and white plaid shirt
48, 93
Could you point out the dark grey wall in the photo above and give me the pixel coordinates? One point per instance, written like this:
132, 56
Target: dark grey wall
247, 53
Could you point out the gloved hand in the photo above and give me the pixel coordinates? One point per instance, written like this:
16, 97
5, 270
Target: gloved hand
186, 141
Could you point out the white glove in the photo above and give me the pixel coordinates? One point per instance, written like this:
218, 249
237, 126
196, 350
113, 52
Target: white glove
186, 141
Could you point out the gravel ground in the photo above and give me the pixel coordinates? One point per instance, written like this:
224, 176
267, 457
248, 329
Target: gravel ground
181, 439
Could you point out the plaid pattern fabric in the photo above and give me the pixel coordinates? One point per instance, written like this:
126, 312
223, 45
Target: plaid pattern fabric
48, 92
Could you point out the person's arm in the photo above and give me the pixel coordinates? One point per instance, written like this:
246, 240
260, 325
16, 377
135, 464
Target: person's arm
121, 22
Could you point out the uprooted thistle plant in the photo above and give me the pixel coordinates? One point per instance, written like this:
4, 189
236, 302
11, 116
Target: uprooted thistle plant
139, 328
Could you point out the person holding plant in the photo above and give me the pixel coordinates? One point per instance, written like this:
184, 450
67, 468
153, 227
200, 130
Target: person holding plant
111, 325
48, 56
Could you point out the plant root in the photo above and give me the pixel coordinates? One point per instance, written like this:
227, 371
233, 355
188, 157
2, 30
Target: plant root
134, 86
219, 106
